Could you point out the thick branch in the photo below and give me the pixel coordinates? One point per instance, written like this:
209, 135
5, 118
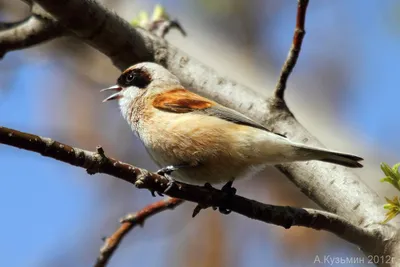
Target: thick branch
111, 243
98, 162
334, 188
294, 51
130, 45
36, 29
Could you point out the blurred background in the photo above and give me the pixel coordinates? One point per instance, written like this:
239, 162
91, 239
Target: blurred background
344, 89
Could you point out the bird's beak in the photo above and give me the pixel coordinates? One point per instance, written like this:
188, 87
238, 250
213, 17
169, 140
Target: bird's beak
114, 96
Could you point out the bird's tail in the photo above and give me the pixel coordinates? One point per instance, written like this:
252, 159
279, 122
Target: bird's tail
330, 156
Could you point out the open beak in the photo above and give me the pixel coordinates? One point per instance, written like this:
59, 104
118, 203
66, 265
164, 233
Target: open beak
114, 96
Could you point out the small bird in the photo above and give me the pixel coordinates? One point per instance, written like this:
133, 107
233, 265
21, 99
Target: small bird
198, 139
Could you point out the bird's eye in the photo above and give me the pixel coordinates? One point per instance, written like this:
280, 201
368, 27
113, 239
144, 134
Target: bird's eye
134, 77
129, 78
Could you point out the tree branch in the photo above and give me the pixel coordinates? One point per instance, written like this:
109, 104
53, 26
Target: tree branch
334, 188
132, 45
294, 51
32, 31
111, 243
38, 28
98, 162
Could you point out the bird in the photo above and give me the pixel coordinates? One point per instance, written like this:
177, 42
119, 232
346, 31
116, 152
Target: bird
198, 140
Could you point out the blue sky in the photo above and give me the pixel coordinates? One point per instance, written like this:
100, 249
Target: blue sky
367, 34
37, 208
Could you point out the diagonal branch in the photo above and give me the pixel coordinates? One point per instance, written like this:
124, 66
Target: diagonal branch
33, 31
9, 25
111, 243
36, 29
294, 51
329, 186
334, 188
285, 216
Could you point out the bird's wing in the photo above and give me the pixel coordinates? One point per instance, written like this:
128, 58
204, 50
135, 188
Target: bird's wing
183, 101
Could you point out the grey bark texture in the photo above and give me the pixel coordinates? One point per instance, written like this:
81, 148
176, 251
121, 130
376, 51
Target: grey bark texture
334, 188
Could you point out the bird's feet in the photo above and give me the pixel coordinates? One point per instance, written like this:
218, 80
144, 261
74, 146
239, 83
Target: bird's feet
166, 171
228, 190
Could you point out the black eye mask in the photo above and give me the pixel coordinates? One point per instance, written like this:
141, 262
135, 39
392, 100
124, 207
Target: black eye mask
134, 77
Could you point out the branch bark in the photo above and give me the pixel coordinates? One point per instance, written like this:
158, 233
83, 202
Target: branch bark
335, 189
98, 162
294, 51
38, 28
111, 243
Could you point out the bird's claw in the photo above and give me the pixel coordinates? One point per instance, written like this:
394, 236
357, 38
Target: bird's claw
170, 184
158, 193
165, 172
227, 189
230, 191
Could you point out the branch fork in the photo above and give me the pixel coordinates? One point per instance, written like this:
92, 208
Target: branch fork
353, 222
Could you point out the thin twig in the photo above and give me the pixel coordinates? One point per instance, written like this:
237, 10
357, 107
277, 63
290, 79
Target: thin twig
33, 31
38, 28
162, 27
335, 189
111, 243
135, 45
294, 51
97, 162
8, 25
